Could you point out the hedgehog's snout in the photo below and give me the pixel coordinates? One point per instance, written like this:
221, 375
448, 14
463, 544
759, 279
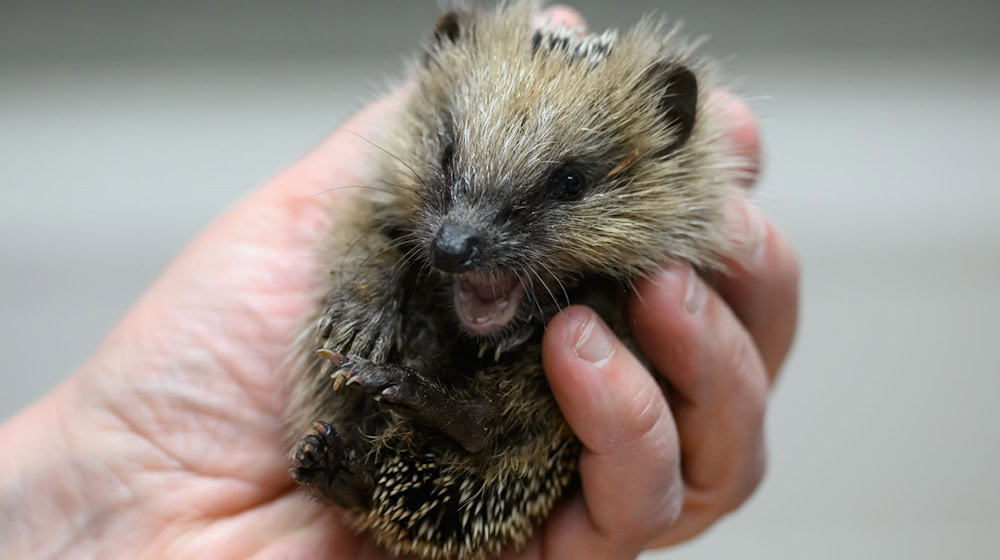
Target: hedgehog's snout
455, 248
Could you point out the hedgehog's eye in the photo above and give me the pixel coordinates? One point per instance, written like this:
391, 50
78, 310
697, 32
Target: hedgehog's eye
567, 183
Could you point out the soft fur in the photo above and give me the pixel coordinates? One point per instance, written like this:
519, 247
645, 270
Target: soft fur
495, 109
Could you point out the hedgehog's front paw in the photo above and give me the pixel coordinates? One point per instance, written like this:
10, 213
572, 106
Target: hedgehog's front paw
386, 383
468, 421
323, 464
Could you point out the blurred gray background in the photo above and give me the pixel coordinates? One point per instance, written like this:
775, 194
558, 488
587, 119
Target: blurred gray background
126, 126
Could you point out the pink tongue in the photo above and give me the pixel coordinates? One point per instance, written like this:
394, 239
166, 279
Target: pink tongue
480, 307
486, 306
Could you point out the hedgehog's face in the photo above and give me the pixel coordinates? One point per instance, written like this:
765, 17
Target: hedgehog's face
546, 166
497, 245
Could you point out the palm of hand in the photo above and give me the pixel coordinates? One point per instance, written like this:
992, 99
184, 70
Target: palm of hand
188, 393
195, 396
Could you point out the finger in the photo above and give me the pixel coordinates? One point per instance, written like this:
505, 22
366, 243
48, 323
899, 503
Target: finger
618, 412
744, 134
692, 337
762, 280
559, 15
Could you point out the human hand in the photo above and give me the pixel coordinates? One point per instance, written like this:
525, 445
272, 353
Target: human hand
168, 440
659, 469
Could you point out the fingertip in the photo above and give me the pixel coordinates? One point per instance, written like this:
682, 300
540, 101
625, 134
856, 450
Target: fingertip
665, 311
559, 14
618, 412
669, 287
560, 339
744, 133
575, 348
605, 393
565, 328
762, 283
746, 229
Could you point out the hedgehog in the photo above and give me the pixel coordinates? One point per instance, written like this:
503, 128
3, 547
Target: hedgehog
528, 170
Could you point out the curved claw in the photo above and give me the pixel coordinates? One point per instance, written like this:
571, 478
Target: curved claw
342, 376
336, 358
339, 363
323, 428
338, 378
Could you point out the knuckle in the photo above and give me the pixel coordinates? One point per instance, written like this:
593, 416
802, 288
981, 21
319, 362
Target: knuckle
637, 424
643, 417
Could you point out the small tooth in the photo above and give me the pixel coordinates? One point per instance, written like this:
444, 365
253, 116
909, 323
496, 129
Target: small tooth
503, 303
482, 349
496, 355
481, 320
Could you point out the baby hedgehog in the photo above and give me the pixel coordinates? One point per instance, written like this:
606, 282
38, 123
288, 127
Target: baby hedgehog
528, 170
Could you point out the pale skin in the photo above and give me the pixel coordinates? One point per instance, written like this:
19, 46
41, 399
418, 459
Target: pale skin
167, 441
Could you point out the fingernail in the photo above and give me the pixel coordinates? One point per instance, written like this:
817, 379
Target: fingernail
595, 343
694, 293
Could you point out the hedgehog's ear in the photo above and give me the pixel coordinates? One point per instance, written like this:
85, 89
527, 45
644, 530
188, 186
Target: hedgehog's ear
453, 26
677, 89
449, 26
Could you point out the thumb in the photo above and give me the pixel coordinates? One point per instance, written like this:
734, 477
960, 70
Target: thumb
630, 465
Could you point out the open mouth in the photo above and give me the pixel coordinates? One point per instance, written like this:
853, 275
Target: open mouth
486, 301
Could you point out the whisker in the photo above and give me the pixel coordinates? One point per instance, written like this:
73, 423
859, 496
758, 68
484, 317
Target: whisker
343, 261
368, 258
403, 262
349, 187
393, 156
534, 296
398, 186
404, 238
544, 285
560, 282
630, 283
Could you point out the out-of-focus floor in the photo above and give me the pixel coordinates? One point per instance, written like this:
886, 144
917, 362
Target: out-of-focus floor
881, 165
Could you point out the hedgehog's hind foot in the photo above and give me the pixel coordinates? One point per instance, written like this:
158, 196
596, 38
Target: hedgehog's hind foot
329, 470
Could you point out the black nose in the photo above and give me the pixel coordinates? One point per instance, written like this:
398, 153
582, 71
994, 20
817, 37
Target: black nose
455, 249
